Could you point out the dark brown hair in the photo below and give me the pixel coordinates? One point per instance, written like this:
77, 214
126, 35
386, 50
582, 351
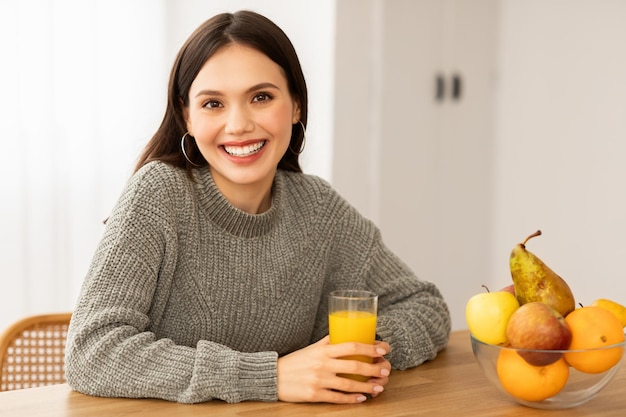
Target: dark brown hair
244, 28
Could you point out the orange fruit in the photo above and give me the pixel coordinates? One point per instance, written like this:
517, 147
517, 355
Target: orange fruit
614, 307
594, 327
528, 382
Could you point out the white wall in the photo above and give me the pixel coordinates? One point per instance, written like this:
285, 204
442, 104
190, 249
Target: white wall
548, 155
561, 141
417, 166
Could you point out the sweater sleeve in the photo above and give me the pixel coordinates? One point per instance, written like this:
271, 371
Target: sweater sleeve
112, 351
413, 317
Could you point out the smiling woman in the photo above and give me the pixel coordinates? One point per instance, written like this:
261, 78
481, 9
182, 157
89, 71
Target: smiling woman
229, 231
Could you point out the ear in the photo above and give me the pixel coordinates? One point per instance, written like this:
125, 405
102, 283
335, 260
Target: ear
186, 118
296, 112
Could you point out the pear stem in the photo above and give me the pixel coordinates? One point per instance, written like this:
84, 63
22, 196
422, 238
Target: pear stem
537, 233
485, 287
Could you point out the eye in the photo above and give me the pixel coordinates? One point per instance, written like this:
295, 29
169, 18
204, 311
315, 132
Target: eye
262, 97
212, 104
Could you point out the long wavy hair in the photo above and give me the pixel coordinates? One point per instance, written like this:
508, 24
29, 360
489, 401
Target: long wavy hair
245, 28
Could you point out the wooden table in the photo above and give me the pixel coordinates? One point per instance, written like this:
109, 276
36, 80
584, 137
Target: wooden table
451, 385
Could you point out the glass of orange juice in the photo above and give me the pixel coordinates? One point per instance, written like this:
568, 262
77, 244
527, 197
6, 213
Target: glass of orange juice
352, 318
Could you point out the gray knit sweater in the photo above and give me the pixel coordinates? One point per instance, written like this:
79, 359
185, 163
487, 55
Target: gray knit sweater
189, 299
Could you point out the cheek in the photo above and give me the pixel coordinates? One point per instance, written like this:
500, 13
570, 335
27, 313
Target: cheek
204, 131
281, 121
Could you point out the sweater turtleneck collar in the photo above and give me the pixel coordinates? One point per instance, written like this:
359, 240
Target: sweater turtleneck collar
226, 216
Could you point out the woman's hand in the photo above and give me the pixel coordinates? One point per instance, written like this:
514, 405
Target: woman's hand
310, 374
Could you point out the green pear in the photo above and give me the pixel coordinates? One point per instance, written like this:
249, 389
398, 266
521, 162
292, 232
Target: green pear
535, 281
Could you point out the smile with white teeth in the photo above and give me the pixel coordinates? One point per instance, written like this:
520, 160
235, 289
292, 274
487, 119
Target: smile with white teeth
246, 150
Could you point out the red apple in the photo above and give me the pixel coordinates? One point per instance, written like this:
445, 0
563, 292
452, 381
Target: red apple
536, 325
509, 288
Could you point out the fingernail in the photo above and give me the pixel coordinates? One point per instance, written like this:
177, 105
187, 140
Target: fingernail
361, 398
378, 388
381, 351
384, 372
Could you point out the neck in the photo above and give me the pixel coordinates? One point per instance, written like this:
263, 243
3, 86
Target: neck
253, 198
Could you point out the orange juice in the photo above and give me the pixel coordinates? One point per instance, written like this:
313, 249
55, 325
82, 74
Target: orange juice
352, 326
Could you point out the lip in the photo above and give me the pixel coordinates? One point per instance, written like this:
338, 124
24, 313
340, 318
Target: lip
243, 160
242, 142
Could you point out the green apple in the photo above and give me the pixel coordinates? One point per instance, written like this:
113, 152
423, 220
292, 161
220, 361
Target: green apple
487, 315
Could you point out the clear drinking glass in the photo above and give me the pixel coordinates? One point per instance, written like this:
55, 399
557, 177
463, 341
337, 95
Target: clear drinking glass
352, 318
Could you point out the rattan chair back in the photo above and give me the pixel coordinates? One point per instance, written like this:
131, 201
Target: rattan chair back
32, 352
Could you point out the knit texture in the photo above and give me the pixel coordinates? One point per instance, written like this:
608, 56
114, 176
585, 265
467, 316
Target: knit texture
189, 299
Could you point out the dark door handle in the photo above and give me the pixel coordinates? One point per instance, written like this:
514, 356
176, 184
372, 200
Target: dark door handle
456, 87
440, 87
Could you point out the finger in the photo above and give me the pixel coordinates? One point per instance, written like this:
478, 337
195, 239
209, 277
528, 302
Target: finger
384, 371
338, 397
382, 381
383, 345
347, 384
384, 378
384, 364
354, 348
366, 370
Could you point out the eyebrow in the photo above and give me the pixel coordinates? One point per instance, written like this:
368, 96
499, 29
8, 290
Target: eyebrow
255, 87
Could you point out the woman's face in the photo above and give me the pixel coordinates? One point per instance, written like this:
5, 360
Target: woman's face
241, 113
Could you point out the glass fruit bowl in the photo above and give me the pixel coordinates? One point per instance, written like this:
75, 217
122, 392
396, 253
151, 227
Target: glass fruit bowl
555, 385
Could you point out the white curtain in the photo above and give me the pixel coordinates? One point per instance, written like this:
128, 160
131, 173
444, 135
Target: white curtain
82, 87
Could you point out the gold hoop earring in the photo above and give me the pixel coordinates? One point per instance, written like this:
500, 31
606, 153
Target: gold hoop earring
182, 147
303, 140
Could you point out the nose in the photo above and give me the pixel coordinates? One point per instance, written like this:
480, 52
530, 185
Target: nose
239, 121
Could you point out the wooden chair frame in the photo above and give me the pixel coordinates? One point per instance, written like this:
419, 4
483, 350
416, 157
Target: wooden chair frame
32, 352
